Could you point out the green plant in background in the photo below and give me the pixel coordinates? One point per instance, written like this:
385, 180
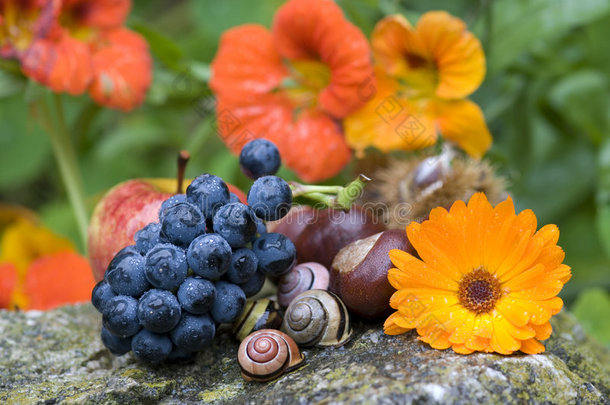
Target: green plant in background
546, 99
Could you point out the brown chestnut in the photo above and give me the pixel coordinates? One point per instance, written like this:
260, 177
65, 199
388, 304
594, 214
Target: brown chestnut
293, 223
359, 273
331, 230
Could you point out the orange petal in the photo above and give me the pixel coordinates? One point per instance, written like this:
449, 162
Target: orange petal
316, 29
461, 349
464, 321
8, 283
312, 145
60, 62
532, 346
462, 122
122, 70
103, 14
483, 326
457, 53
412, 274
247, 62
391, 327
392, 40
542, 331
390, 122
501, 340
58, 279
513, 311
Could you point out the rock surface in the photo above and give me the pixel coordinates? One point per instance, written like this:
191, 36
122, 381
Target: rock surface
57, 357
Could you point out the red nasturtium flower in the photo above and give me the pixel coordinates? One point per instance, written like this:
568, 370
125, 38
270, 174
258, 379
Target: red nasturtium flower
424, 74
75, 46
40, 270
294, 84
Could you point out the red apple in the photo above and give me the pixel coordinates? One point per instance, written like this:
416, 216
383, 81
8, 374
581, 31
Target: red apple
123, 210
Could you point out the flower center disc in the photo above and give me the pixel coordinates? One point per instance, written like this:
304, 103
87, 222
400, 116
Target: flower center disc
479, 290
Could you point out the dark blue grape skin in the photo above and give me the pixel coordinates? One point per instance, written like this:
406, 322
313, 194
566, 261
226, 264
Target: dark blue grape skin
173, 200
196, 295
182, 223
166, 266
253, 285
259, 158
208, 192
236, 223
229, 302
194, 332
125, 274
147, 237
243, 266
159, 311
209, 256
180, 354
270, 197
276, 254
151, 347
127, 251
117, 345
120, 316
233, 197
101, 294
261, 228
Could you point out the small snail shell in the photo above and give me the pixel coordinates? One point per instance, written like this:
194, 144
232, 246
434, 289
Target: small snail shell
303, 277
266, 354
317, 317
259, 314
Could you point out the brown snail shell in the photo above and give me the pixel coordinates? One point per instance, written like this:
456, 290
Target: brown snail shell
266, 354
317, 317
303, 277
258, 314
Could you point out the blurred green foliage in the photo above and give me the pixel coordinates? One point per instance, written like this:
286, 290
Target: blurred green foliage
546, 98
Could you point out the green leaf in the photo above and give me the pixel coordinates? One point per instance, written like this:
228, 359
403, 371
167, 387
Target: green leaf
162, 47
583, 100
24, 147
592, 308
11, 83
517, 26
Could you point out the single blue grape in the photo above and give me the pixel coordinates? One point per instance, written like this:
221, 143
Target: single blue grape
253, 285
125, 273
208, 192
182, 223
243, 265
166, 266
158, 311
233, 197
129, 250
229, 302
101, 294
151, 347
173, 200
117, 345
209, 256
196, 295
270, 197
120, 316
147, 237
276, 254
194, 332
235, 222
259, 158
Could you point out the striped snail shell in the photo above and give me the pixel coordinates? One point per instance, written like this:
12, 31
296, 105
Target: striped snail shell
259, 314
266, 354
317, 317
303, 277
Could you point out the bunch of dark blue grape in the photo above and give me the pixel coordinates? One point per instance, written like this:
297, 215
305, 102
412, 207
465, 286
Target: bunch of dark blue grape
164, 296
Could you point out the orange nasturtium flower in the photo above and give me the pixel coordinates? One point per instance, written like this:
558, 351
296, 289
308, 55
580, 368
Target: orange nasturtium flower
40, 270
75, 46
294, 85
486, 281
423, 74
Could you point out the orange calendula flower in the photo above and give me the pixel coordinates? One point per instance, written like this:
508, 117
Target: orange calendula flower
486, 281
40, 270
75, 46
424, 74
294, 84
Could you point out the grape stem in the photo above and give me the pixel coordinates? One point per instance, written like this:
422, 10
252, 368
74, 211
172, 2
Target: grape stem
338, 197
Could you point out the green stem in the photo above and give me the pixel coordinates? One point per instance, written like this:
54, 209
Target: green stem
331, 196
66, 160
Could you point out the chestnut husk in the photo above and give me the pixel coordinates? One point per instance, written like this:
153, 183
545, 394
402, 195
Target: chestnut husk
359, 273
